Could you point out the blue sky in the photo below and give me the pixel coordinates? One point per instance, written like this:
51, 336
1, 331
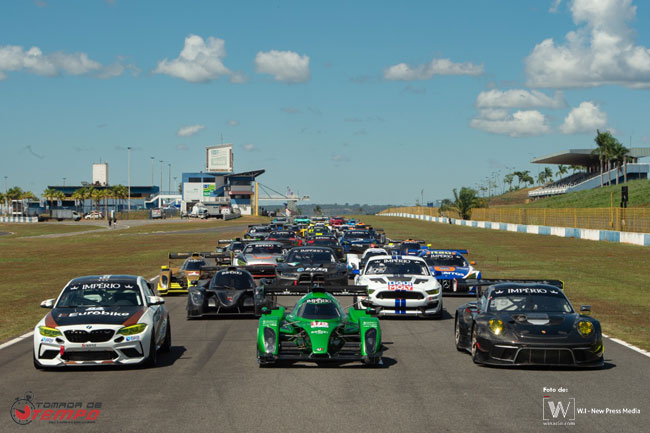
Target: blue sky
360, 101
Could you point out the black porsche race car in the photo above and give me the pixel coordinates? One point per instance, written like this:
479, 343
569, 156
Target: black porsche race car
528, 323
230, 291
329, 241
306, 265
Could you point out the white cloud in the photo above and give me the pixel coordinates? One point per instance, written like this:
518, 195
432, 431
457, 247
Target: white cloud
200, 61
188, 131
406, 72
290, 110
519, 98
554, 6
518, 124
15, 58
248, 147
602, 51
587, 117
285, 66
233, 122
337, 157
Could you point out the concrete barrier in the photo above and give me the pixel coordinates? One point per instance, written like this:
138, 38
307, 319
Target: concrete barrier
18, 219
565, 232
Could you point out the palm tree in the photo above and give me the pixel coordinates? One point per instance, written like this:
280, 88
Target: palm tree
120, 192
28, 195
541, 177
605, 143
561, 170
548, 173
508, 178
96, 196
78, 195
464, 201
619, 155
575, 168
14, 193
50, 194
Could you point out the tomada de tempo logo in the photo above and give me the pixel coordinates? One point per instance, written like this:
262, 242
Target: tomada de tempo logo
21, 410
25, 410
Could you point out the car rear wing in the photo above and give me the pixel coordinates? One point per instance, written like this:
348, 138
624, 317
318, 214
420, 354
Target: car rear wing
443, 251
315, 288
204, 254
397, 242
484, 282
229, 241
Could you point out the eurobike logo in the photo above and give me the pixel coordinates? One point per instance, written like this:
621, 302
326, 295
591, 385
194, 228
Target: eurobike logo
25, 410
558, 412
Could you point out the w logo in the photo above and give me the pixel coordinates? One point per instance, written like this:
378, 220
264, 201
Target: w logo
562, 410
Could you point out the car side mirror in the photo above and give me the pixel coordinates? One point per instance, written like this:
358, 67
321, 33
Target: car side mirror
280, 259
265, 311
472, 263
48, 303
585, 310
155, 300
356, 272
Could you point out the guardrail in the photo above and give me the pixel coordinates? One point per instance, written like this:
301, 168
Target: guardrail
635, 220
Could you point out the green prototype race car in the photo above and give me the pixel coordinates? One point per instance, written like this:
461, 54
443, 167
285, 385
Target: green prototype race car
317, 329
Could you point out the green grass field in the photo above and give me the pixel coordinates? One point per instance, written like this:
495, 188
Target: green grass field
639, 196
610, 277
34, 269
19, 230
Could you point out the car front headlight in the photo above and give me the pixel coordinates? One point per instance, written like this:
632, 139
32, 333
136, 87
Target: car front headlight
196, 297
46, 331
496, 326
585, 328
433, 291
133, 329
370, 339
269, 340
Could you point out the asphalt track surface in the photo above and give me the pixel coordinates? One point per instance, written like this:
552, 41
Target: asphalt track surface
211, 382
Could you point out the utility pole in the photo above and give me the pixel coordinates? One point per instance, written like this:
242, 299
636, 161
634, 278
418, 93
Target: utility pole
153, 159
128, 149
64, 181
6, 199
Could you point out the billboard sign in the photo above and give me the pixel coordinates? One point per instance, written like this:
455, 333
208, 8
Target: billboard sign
208, 189
219, 159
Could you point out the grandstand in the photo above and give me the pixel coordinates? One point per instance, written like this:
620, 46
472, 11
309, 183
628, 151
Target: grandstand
590, 177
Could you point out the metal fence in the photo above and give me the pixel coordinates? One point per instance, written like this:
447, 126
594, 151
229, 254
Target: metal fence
619, 219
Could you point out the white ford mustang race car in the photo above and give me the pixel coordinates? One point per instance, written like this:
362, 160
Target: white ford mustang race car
102, 319
400, 285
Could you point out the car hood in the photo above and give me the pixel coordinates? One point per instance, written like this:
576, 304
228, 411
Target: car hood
254, 259
117, 315
309, 268
540, 325
398, 282
229, 297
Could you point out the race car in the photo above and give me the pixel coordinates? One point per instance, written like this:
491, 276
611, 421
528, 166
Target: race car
329, 241
301, 220
358, 261
337, 221
195, 267
260, 258
231, 250
257, 232
317, 329
450, 266
357, 241
231, 291
102, 320
528, 323
307, 265
400, 285
286, 237
407, 247
319, 219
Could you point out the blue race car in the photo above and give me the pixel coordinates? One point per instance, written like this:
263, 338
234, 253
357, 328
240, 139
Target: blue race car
357, 241
449, 266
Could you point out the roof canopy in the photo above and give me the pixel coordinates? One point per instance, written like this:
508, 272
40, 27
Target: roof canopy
584, 157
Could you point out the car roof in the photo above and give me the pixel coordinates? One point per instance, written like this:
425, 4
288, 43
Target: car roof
94, 278
398, 257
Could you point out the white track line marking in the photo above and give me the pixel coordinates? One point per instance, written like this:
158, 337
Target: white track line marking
628, 345
16, 340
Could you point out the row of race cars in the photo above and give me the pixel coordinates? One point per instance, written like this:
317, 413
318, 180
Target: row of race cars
121, 319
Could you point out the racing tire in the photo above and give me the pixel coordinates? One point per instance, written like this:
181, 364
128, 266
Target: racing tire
37, 365
152, 359
167, 344
475, 346
457, 338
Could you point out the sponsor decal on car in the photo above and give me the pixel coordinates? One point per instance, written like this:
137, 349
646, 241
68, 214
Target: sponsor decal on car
399, 285
133, 338
315, 269
316, 324
318, 301
98, 313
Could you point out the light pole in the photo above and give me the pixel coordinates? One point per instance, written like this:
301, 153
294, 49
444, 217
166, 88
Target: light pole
169, 178
6, 200
175, 177
161, 184
153, 159
64, 181
128, 149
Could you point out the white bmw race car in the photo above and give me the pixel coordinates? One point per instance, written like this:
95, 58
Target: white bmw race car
102, 319
400, 285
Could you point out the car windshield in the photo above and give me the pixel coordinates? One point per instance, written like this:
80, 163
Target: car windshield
237, 246
100, 294
446, 260
326, 242
232, 279
263, 249
552, 301
319, 311
396, 266
311, 257
281, 235
193, 265
358, 234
